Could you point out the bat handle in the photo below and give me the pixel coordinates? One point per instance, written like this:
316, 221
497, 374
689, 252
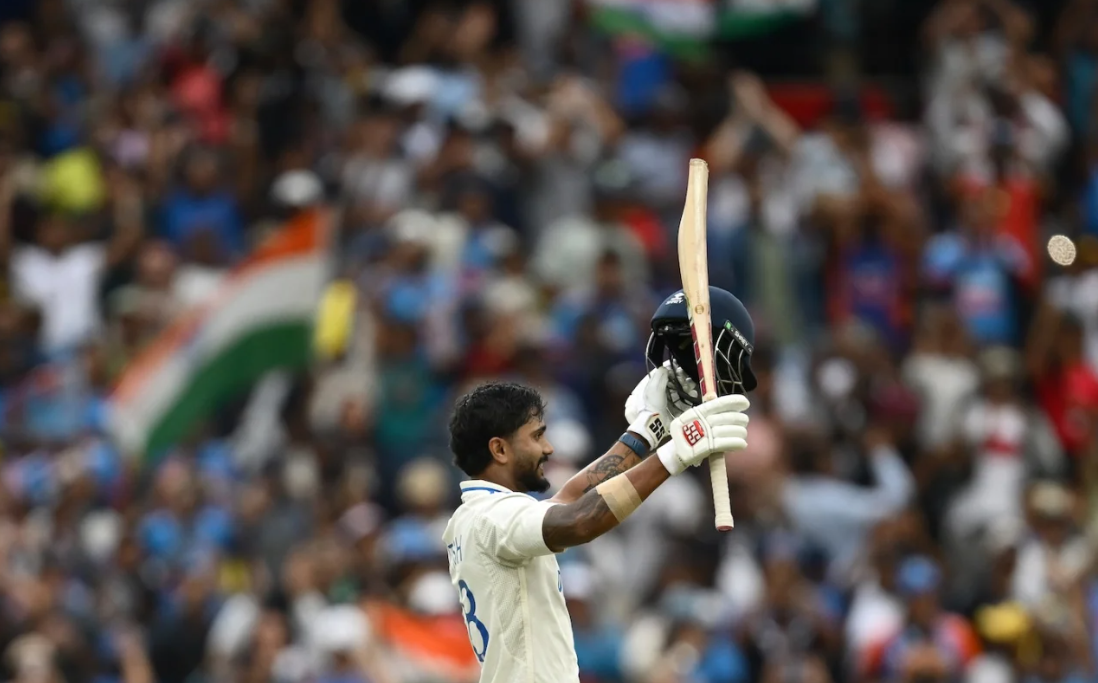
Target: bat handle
722, 501
718, 474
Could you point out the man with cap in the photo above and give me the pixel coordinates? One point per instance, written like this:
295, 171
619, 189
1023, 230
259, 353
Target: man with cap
927, 626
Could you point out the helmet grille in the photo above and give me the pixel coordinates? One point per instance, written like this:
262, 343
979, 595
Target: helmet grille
730, 356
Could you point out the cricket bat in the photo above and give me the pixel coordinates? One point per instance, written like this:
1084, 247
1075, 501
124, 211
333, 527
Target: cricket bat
694, 270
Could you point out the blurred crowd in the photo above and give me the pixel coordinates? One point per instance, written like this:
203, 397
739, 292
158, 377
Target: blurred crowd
919, 501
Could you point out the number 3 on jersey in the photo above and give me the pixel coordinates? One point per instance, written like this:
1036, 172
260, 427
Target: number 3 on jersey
477, 631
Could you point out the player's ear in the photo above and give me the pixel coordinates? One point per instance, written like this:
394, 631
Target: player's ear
497, 446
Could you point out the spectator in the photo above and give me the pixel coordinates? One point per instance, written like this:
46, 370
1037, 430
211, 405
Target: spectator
1011, 444
932, 642
619, 307
200, 217
940, 369
61, 274
1003, 629
796, 623
1069, 387
584, 240
981, 270
813, 493
1055, 557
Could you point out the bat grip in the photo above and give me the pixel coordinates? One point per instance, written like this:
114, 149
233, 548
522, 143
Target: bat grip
718, 475
722, 501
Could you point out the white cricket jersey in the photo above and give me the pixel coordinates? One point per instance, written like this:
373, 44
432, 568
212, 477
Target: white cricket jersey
509, 586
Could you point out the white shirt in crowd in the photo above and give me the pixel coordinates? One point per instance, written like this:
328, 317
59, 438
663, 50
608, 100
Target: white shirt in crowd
1044, 571
946, 384
65, 288
873, 611
962, 127
997, 435
509, 586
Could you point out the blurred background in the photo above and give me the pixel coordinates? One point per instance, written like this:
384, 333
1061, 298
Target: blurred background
252, 250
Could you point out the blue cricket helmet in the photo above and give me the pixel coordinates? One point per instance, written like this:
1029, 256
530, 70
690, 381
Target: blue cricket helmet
733, 344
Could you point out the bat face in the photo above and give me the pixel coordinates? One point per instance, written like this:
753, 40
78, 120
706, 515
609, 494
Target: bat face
694, 269
702, 352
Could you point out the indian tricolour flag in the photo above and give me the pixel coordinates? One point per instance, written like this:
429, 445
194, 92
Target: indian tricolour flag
685, 28
680, 27
260, 319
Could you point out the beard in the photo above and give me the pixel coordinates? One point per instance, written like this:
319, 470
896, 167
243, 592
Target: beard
531, 480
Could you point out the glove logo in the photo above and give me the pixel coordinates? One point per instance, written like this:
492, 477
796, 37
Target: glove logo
655, 426
693, 432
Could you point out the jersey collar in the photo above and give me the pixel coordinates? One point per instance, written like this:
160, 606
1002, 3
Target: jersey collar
481, 486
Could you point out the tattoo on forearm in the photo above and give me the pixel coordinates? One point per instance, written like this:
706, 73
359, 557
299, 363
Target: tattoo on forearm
607, 467
570, 525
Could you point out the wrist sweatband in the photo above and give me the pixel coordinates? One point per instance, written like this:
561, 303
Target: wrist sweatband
620, 496
636, 445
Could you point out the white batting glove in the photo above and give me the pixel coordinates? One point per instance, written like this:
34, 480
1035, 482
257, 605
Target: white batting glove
646, 408
718, 426
650, 398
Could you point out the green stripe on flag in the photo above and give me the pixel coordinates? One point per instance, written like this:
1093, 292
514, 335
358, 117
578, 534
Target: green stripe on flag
738, 25
626, 21
233, 370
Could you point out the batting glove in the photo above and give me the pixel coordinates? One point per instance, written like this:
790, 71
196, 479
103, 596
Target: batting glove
646, 408
718, 426
649, 401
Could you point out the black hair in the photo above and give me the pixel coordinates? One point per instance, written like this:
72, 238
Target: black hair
491, 410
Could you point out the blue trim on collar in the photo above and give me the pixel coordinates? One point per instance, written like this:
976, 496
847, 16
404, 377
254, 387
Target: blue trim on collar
481, 485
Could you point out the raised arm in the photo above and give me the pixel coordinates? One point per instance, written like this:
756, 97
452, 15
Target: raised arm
719, 426
849, 504
619, 459
590, 517
128, 218
648, 416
